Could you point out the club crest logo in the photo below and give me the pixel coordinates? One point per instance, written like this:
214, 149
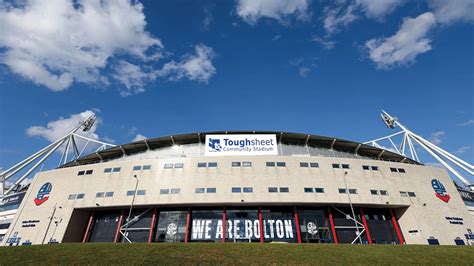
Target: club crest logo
43, 193
440, 190
215, 144
172, 229
312, 228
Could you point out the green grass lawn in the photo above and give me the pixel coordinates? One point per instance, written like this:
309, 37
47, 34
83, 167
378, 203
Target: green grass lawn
203, 253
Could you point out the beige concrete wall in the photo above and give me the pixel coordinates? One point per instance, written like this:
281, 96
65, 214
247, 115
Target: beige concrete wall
425, 212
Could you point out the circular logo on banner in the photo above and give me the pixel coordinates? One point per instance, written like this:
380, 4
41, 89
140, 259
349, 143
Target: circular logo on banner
43, 193
172, 229
440, 190
312, 228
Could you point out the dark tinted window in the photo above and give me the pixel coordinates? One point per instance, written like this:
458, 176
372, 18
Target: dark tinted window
272, 189
308, 190
319, 190
284, 190
270, 164
314, 165
304, 165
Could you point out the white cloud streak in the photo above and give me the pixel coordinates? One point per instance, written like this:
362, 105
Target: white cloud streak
378, 9
338, 17
55, 43
467, 123
437, 137
139, 137
403, 47
251, 11
449, 11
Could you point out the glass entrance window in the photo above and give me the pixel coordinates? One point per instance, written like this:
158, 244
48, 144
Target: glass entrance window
314, 226
206, 226
105, 226
138, 229
171, 226
242, 225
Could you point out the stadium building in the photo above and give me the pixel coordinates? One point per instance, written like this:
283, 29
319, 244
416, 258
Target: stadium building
243, 187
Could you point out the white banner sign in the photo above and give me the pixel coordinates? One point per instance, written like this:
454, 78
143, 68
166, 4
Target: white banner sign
224, 145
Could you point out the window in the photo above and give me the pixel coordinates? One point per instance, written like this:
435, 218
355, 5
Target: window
411, 194
235, 164
401, 170
342, 191
72, 197
314, 165
319, 190
352, 191
345, 166
270, 164
247, 164
375, 168
273, 189
107, 170
164, 191
374, 192
109, 194
201, 165
281, 164
130, 193
89, 172
236, 190
304, 165
141, 192
199, 190
211, 190
80, 173
384, 192
175, 190
99, 194
213, 164
137, 168
168, 166
284, 190
393, 169
248, 190
308, 190
116, 169
80, 196
365, 167
178, 165
403, 194
336, 165
146, 167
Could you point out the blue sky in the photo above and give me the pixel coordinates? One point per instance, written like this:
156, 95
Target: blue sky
156, 68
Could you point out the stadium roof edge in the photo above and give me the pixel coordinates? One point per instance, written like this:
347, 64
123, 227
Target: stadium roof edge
282, 137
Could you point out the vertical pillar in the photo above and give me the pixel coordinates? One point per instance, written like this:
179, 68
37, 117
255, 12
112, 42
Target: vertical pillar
260, 219
366, 226
118, 226
397, 228
152, 224
333, 229
188, 219
224, 227
86, 234
297, 224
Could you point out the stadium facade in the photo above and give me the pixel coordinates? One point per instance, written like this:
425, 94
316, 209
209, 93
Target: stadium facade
243, 187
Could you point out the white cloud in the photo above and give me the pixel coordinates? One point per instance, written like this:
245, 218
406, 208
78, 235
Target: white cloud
276, 38
437, 137
379, 8
335, 18
197, 67
304, 71
55, 43
463, 149
448, 11
467, 123
139, 137
403, 47
132, 77
326, 43
281, 10
208, 18
62, 126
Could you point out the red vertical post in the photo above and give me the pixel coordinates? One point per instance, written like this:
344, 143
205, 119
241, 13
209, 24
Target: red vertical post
366, 226
152, 224
86, 234
224, 223
333, 229
260, 219
297, 224
188, 219
397, 228
118, 226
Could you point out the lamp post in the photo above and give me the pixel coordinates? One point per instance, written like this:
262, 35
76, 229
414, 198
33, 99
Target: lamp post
352, 208
131, 207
